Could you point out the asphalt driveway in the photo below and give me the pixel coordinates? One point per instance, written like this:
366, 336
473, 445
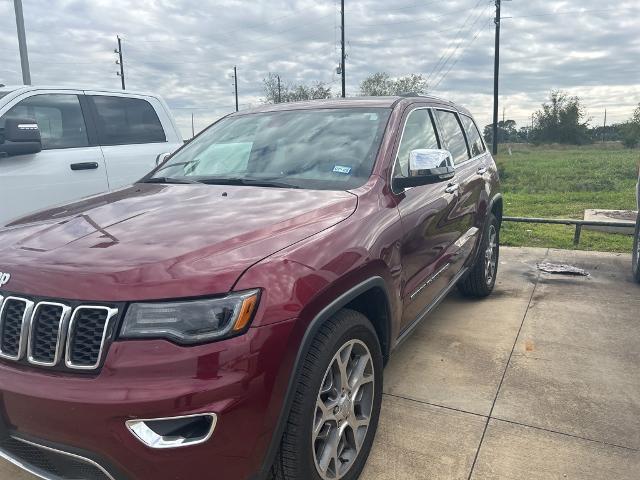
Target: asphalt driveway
540, 381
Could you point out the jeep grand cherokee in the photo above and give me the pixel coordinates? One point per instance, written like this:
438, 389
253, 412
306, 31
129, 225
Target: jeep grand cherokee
229, 315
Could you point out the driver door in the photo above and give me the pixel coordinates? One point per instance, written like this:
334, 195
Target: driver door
70, 166
428, 220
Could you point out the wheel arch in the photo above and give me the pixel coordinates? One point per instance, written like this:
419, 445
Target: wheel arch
496, 206
364, 297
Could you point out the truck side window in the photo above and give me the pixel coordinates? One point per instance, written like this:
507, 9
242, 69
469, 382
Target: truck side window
473, 136
418, 132
452, 135
123, 121
59, 119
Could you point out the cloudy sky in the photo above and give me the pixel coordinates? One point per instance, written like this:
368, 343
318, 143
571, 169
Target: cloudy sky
186, 50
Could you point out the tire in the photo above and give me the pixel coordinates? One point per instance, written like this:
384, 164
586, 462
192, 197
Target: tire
311, 431
481, 279
636, 252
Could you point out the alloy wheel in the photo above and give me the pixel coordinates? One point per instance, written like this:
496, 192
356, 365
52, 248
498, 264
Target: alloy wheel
343, 410
491, 255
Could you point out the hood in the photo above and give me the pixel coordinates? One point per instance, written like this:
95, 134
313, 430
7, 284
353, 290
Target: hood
153, 241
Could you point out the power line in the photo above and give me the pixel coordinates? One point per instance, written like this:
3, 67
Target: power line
565, 12
406, 7
441, 61
414, 20
482, 29
397, 37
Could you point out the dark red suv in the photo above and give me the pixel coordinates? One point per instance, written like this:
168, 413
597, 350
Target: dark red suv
229, 315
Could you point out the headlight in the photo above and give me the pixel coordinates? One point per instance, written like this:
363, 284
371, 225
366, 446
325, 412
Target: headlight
192, 321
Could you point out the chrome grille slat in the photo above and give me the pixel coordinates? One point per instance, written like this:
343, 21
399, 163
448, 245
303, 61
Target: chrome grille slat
43, 333
87, 334
47, 333
15, 315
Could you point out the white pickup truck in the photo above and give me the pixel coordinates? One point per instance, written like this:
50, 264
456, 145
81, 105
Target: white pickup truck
61, 144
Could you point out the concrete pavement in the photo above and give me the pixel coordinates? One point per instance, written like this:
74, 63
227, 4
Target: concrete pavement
540, 381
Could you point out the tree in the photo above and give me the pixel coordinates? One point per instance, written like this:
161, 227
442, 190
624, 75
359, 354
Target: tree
631, 130
381, 84
561, 120
292, 93
507, 132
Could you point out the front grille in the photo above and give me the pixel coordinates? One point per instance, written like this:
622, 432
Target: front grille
51, 463
48, 331
86, 336
11, 326
47, 327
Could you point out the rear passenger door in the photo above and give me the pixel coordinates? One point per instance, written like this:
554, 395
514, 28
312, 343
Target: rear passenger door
130, 134
462, 139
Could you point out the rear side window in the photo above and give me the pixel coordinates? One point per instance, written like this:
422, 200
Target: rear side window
452, 135
418, 132
59, 118
122, 121
473, 136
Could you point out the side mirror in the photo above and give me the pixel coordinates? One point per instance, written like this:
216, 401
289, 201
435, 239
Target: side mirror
426, 166
161, 158
21, 137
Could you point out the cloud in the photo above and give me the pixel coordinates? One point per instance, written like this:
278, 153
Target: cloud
186, 50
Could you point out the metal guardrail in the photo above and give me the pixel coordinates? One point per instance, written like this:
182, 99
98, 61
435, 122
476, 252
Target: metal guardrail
566, 221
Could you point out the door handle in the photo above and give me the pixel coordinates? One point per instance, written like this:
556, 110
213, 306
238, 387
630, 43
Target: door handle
452, 188
482, 170
84, 166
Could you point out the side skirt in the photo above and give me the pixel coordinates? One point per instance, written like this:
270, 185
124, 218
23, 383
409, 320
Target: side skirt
408, 330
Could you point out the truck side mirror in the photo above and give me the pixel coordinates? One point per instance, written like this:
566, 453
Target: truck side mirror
21, 137
426, 166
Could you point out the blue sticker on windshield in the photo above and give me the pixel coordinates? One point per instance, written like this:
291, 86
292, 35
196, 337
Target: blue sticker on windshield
341, 169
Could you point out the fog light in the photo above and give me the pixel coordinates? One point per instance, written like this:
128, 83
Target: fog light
174, 432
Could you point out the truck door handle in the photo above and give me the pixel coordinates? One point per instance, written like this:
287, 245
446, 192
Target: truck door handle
84, 166
482, 170
452, 188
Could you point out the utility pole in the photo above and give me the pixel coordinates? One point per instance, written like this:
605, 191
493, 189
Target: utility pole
235, 84
193, 130
120, 61
496, 72
279, 91
22, 43
343, 56
604, 128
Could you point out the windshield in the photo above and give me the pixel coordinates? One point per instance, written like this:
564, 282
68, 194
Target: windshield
331, 149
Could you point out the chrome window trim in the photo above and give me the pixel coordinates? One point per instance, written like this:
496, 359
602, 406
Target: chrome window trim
131, 424
24, 327
404, 126
484, 144
111, 313
62, 330
464, 133
41, 473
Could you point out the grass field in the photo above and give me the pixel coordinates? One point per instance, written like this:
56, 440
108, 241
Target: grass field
562, 182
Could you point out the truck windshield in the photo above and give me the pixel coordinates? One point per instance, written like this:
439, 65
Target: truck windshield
327, 149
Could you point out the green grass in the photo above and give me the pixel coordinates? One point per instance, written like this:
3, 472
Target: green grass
561, 182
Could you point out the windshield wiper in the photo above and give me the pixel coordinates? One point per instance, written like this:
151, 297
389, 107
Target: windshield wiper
168, 180
254, 182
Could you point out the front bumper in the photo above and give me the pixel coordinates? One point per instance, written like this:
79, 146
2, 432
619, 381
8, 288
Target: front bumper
239, 379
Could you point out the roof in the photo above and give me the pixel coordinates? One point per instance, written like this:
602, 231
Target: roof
349, 102
26, 88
